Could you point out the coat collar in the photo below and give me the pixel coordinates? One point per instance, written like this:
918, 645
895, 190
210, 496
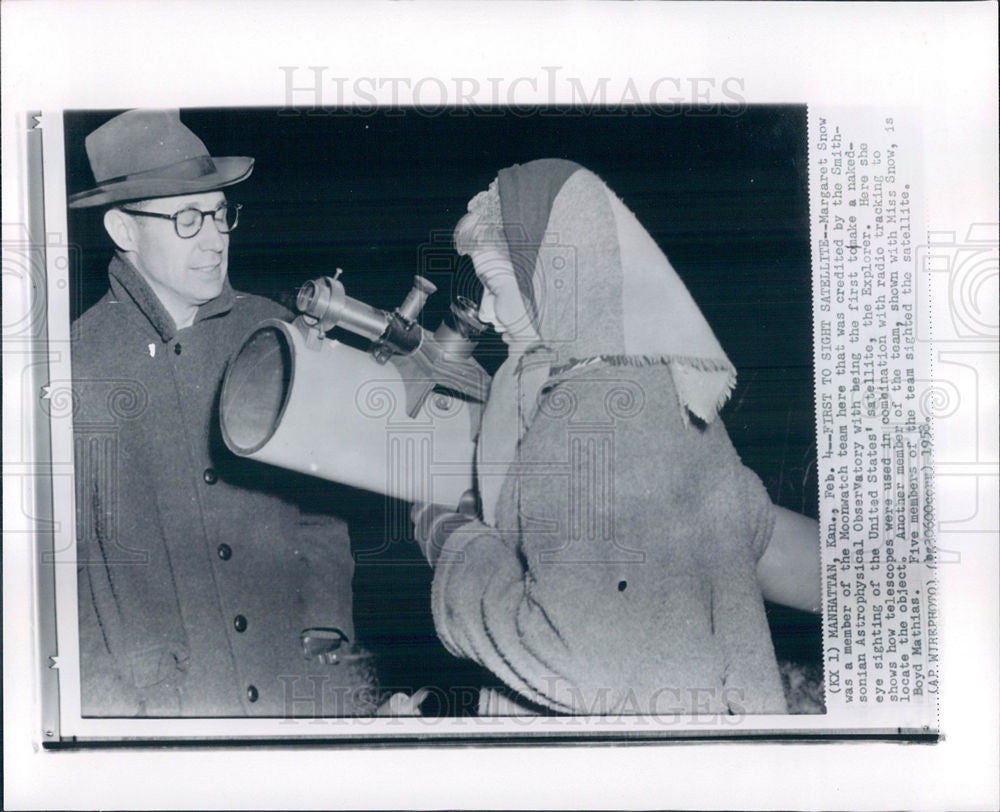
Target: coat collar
127, 285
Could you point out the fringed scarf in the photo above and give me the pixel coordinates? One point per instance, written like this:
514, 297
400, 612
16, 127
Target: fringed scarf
599, 289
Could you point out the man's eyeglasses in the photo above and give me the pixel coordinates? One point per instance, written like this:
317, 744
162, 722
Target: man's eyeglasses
188, 222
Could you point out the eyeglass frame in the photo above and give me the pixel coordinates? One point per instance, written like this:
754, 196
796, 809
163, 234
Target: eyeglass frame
201, 225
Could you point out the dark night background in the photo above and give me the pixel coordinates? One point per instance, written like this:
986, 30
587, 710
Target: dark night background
377, 194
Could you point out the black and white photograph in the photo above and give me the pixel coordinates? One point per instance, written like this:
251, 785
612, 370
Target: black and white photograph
510, 405
591, 491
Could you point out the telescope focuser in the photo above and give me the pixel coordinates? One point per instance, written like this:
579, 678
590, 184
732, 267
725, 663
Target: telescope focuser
425, 360
325, 305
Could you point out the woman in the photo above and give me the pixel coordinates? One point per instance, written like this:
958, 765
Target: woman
614, 565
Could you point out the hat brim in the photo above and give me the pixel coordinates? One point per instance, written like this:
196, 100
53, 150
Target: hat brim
227, 172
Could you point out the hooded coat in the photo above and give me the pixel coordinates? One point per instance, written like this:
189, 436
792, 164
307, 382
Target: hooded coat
613, 570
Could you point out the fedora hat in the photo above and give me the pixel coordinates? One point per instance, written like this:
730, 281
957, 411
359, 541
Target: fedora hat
150, 153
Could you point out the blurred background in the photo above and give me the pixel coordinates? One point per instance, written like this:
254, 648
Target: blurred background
725, 195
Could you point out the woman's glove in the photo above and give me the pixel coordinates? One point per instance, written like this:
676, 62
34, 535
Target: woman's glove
432, 524
399, 704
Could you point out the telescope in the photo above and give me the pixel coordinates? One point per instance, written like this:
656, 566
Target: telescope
400, 418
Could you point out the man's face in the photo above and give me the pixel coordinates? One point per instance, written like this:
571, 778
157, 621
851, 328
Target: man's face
182, 272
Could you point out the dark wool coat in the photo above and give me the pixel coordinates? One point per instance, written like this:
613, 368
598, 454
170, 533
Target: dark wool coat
196, 577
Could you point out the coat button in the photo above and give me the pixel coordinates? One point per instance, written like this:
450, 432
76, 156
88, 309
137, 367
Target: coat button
210, 476
252, 693
225, 552
177, 349
240, 623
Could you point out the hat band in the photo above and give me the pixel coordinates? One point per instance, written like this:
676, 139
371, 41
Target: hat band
188, 169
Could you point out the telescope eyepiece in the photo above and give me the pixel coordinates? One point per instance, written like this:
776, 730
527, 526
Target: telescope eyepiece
464, 318
416, 298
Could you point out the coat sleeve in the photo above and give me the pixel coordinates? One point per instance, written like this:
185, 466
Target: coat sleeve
107, 680
322, 540
104, 688
484, 611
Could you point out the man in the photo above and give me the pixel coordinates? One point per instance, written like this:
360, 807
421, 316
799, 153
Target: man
202, 592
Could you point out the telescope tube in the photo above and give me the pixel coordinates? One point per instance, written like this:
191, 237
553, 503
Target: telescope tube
332, 411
